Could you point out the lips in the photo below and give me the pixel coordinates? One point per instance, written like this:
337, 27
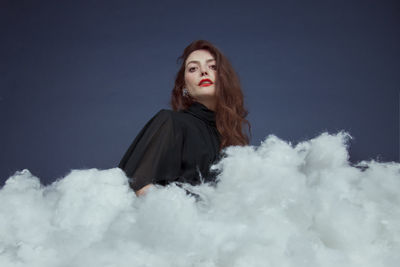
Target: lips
205, 82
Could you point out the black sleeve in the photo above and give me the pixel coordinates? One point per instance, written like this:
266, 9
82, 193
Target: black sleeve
155, 154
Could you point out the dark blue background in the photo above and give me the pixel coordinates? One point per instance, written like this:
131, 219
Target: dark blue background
79, 79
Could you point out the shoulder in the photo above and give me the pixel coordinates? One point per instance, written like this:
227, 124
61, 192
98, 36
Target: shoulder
165, 115
177, 121
172, 116
165, 120
169, 122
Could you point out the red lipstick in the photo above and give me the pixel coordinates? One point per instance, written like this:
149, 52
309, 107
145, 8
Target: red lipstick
205, 82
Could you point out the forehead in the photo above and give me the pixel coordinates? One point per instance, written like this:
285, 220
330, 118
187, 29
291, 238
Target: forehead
200, 55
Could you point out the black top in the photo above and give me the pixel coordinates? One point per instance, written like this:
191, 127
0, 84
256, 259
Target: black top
174, 146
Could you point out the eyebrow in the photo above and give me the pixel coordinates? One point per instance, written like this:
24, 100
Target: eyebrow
195, 61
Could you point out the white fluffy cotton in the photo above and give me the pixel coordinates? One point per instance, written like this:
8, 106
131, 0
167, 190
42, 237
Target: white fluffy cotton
275, 205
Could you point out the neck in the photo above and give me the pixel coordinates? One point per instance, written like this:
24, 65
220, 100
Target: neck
210, 104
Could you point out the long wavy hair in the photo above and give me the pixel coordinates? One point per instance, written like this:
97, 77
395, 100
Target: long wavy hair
230, 113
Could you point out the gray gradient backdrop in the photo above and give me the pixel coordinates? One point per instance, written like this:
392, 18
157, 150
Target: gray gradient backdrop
79, 79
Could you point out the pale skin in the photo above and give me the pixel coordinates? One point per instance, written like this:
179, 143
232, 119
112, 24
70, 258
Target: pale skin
143, 190
199, 65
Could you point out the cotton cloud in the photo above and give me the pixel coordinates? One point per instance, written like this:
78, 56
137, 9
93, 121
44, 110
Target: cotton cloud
275, 205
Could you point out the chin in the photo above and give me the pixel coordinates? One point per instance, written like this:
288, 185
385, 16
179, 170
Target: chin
208, 91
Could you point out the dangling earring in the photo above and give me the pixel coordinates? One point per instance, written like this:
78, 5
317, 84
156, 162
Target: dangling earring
185, 92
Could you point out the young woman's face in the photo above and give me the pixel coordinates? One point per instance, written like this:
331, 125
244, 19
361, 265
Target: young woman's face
199, 66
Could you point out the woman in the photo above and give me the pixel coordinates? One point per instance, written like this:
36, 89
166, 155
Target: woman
180, 145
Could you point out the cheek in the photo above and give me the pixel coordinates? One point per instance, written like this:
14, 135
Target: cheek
189, 80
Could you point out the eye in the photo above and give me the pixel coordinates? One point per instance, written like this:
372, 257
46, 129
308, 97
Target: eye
192, 69
214, 67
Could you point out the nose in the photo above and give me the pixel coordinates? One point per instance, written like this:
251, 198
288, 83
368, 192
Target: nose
203, 71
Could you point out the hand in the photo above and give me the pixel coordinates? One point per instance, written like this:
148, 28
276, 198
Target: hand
143, 190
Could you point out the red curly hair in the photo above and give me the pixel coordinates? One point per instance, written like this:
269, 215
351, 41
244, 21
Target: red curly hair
230, 114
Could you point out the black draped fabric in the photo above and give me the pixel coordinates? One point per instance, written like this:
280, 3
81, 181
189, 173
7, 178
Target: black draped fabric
174, 146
